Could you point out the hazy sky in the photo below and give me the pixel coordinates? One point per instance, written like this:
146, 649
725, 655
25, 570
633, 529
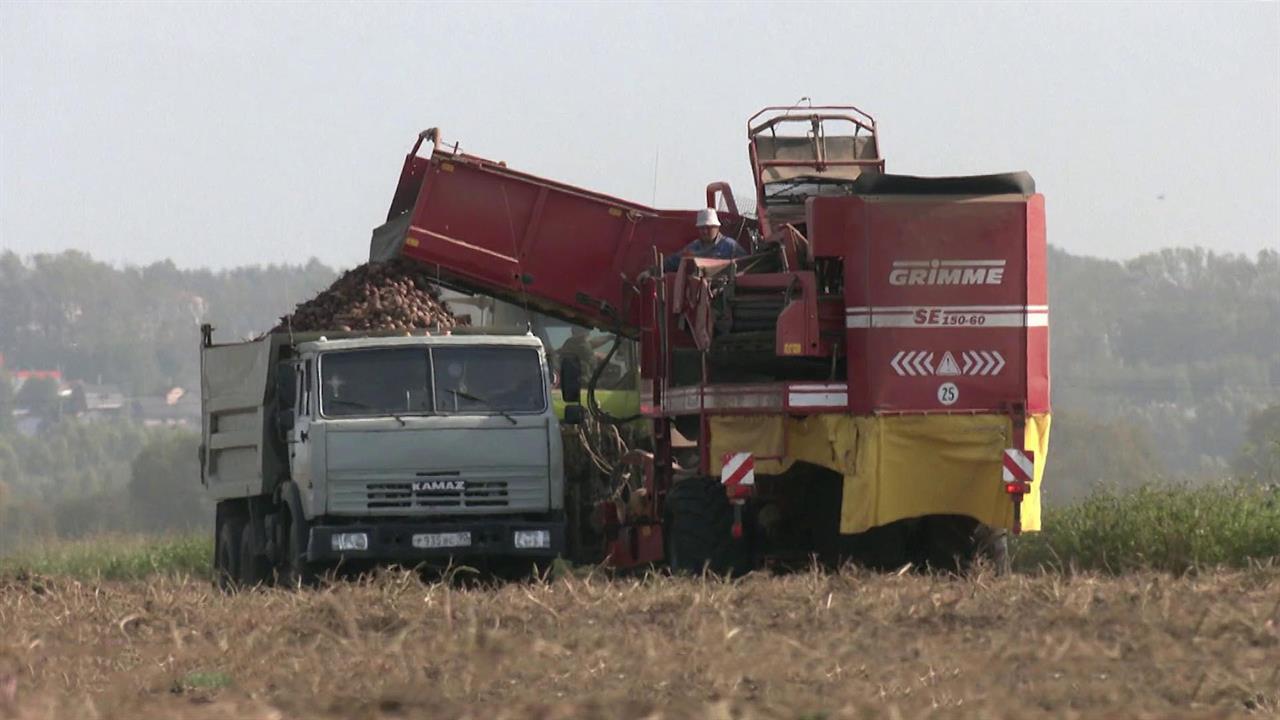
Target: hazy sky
251, 133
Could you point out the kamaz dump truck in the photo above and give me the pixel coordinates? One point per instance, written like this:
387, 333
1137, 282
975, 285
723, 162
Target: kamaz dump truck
359, 448
870, 381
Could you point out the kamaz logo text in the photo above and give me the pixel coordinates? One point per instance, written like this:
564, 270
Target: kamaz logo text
439, 485
947, 272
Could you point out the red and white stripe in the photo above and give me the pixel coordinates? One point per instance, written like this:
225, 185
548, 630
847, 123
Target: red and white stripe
818, 395
738, 469
1019, 466
734, 397
975, 316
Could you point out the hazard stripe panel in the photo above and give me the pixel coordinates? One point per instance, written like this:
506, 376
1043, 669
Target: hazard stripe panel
1018, 465
738, 469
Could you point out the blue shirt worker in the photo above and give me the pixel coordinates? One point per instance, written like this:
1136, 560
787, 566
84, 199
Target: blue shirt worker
711, 243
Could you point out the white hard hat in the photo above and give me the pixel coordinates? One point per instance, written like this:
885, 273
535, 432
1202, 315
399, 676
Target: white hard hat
707, 218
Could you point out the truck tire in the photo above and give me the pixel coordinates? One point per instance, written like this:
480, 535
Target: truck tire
700, 530
253, 569
296, 571
226, 552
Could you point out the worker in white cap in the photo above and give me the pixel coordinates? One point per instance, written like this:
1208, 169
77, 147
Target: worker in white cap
711, 243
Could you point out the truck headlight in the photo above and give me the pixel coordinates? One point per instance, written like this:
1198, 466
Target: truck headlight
343, 542
528, 539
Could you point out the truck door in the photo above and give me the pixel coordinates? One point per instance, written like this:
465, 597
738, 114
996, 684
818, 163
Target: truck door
300, 435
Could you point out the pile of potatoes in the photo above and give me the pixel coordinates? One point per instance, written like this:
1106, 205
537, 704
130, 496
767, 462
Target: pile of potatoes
393, 295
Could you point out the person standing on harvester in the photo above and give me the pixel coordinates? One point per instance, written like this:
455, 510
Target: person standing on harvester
711, 243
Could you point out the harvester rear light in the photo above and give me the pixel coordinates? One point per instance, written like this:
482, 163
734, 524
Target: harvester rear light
1018, 471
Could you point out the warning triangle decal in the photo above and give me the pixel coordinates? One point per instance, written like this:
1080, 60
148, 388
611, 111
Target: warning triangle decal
948, 365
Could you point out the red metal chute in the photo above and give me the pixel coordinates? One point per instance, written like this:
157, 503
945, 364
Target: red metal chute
563, 250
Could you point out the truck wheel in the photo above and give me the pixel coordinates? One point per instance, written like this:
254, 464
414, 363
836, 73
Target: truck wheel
700, 530
226, 553
296, 571
252, 569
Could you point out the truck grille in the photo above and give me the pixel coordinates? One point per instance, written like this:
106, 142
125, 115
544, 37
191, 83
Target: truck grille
392, 495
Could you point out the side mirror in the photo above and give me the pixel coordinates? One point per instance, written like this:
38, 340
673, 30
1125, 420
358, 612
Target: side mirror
284, 420
571, 379
573, 415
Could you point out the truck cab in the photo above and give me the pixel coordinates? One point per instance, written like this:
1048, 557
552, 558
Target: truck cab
381, 449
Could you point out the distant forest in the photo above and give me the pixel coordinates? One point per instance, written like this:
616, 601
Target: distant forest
136, 327
1173, 351
1159, 362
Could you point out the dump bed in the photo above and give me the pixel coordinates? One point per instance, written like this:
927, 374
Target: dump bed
240, 456
563, 250
945, 293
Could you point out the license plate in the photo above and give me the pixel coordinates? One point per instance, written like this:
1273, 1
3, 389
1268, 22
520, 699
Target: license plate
442, 540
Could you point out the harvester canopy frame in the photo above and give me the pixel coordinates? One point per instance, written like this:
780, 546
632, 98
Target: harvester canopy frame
838, 144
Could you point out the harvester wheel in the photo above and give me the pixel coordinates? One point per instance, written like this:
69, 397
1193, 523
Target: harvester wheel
952, 543
700, 530
993, 545
946, 542
226, 553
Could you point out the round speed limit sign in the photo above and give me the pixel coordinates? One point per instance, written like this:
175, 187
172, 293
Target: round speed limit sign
948, 393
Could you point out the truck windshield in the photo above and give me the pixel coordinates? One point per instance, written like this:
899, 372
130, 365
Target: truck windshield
398, 381
387, 381
488, 380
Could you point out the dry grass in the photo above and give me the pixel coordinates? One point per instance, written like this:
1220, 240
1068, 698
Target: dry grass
809, 645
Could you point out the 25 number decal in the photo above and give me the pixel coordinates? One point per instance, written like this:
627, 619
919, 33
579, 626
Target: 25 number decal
948, 393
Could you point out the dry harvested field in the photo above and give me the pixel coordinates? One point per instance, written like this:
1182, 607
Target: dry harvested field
808, 645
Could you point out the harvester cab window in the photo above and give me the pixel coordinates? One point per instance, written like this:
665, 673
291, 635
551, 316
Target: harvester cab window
591, 349
368, 383
488, 380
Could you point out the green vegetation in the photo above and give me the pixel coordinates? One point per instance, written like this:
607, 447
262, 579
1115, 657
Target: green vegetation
1259, 458
205, 680
1163, 527
79, 479
1167, 527
136, 328
164, 485
116, 557
1086, 453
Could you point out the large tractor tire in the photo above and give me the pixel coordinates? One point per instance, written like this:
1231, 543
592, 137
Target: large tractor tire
993, 545
953, 543
699, 529
226, 551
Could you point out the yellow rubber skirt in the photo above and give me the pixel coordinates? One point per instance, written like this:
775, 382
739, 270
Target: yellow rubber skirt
898, 466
